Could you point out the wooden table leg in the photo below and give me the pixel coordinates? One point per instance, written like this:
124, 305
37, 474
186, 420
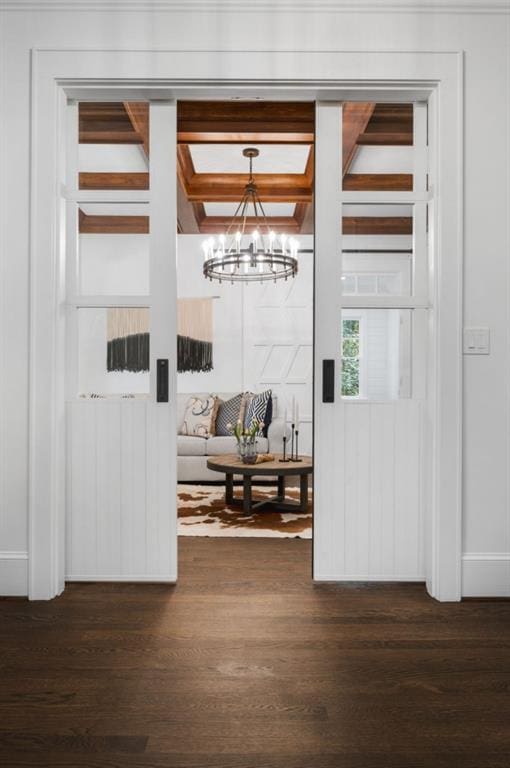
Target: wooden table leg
281, 487
247, 495
229, 488
303, 493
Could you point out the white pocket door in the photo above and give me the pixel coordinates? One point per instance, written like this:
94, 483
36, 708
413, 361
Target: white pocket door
121, 345
371, 331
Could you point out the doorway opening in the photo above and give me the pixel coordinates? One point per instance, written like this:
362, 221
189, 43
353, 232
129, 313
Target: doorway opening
245, 333
243, 349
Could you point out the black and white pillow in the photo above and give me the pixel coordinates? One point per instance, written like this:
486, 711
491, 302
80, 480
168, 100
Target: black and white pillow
260, 409
228, 413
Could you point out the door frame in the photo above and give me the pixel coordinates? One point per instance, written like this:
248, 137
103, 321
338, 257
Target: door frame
282, 75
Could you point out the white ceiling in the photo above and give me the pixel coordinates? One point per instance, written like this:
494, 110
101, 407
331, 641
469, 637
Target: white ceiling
228, 158
270, 209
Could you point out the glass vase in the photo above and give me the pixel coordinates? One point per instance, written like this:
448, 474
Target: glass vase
247, 447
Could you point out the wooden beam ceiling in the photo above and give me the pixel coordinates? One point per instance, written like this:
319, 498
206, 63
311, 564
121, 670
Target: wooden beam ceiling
139, 225
229, 187
241, 122
113, 225
378, 182
355, 118
245, 122
130, 181
138, 113
106, 123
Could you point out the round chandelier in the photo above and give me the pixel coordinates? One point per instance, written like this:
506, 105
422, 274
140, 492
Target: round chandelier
269, 256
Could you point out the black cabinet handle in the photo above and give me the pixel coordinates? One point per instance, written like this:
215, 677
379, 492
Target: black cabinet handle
162, 381
328, 381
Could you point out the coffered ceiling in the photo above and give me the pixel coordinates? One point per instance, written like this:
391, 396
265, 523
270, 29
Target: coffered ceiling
212, 172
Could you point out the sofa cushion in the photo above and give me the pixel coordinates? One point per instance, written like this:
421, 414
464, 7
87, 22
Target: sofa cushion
200, 416
219, 446
229, 412
259, 409
191, 446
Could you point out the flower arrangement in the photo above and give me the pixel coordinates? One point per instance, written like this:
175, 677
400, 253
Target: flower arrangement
246, 439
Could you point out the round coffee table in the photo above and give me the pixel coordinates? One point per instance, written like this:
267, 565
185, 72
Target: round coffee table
232, 465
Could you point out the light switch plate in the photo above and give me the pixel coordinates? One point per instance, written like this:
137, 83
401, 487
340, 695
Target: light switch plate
477, 341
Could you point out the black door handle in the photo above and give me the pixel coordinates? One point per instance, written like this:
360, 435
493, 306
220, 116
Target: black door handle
162, 380
328, 381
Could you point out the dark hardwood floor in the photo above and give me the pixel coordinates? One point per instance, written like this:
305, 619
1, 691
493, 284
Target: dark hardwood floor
247, 664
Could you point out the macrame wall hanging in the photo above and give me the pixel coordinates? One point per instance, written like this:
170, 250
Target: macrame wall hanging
128, 337
194, 335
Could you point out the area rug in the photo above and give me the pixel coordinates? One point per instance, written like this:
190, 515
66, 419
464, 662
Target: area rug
202, 512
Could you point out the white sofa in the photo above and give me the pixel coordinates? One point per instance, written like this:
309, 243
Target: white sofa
193, 452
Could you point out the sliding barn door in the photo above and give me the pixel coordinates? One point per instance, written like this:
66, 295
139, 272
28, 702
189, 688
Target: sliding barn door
121, 350
371, 329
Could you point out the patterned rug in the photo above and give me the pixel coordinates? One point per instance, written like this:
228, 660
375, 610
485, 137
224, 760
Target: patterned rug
202, 512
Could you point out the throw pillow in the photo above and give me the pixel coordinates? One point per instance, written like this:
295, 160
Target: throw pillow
259, 409
200, 416
229, 411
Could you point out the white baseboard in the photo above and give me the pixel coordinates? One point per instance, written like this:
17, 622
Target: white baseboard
13, 574
486, 574
165, 578
365, 577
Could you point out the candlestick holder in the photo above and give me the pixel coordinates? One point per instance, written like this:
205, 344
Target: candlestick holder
284, 459
295, 456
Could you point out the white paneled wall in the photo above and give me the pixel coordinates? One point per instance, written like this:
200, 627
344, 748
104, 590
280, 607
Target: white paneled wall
119, 520
381, 514
278, 341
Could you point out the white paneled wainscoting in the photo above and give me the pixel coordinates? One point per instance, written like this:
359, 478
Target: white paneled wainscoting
381, 515
115, 468
120, 524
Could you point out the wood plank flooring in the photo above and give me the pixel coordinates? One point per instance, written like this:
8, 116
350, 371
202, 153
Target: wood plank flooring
247, 664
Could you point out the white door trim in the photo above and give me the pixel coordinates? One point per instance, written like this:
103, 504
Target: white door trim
331, 75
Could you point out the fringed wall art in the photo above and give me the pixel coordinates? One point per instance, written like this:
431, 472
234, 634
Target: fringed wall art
128, 337
194, 340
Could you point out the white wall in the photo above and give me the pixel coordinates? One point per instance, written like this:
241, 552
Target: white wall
227, 374
485, 40
253, 325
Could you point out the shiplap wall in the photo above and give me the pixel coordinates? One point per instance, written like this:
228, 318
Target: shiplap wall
278, 341
119, 491
381, 514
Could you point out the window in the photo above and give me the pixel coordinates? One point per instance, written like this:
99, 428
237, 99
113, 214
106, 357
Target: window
351, 357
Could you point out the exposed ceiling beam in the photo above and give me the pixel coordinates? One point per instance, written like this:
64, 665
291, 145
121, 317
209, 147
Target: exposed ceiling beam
92, 180
229, 187
243, 137
355, 118
392, 119
375, 138
378, 182
113, 225
245, 117
301, 222
106, 123
377, 225
138, 113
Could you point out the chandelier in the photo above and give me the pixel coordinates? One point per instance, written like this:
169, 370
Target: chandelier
268, 256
